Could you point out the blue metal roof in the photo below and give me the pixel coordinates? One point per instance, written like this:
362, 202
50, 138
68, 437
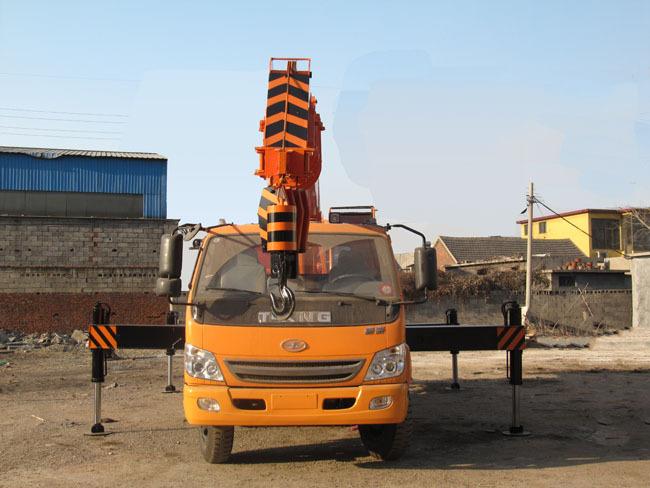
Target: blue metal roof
103, 172
55, 153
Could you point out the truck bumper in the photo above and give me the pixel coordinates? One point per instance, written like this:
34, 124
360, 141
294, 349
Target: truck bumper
292, 406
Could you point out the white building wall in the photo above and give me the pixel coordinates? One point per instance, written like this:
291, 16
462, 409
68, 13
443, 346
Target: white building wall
641, 290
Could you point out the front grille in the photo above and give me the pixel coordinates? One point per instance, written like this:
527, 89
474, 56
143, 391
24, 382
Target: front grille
294, 371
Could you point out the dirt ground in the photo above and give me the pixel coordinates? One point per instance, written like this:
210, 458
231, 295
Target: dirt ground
588, 411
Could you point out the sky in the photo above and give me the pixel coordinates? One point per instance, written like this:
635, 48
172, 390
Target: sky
438, 113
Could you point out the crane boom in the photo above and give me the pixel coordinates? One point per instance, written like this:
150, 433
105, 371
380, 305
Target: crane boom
290, 162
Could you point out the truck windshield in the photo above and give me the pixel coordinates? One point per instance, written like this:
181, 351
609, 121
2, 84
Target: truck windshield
354, 264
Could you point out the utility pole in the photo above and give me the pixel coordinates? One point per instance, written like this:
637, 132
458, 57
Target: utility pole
529, 249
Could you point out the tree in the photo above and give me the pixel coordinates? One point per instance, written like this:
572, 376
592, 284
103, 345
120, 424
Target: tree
635, 230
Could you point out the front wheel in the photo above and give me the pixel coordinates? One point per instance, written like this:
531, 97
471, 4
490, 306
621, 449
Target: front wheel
388, 441
216, 442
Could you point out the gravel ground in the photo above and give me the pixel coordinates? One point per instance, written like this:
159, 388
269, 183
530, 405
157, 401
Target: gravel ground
588, 411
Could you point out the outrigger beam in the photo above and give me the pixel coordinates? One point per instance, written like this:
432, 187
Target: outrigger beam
104, 337
510, 337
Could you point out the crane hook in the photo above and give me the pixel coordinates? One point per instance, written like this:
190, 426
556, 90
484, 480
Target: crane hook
283, 307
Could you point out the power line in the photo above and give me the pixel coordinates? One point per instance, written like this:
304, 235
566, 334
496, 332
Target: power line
558, 215
536, 202
60, 130
63, 120
61, 137
65, 113
36, 75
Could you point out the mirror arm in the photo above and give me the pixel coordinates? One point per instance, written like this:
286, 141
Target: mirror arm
188, 231
169, 299
402, 226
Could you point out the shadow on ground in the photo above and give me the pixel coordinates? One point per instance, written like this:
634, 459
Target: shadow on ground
575, 418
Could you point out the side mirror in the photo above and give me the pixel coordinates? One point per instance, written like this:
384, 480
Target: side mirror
426, 268
171, 262
168, 287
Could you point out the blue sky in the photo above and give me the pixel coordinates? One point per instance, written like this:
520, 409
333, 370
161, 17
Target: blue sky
438, 113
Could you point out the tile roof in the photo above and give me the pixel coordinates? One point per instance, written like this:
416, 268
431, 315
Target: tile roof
471, 249
55, 153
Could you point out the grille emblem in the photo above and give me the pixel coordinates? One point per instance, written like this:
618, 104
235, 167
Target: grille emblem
294, 345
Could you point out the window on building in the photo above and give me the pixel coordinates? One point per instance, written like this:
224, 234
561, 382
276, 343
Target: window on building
542, 227
605, 234
636, 236
566, 280
525, 229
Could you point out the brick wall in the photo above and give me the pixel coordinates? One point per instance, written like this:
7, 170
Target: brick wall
41, 254
443, 257
610, 308
65, 312
605, 308
54, 270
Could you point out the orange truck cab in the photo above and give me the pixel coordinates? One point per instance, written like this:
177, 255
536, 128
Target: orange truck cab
341, 358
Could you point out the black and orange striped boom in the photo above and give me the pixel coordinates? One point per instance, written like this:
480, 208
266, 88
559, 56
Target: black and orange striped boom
291, 154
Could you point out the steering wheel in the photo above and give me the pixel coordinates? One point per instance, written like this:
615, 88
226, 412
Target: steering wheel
349, 275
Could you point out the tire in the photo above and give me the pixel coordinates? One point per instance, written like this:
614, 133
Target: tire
216, 442
388, 441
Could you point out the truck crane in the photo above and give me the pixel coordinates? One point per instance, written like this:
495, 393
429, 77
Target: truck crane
297, 319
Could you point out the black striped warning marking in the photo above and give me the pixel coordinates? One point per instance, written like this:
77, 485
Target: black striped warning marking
511, 338
276, 75
102, 337
294, 91
287, 109
281, 228
267, 199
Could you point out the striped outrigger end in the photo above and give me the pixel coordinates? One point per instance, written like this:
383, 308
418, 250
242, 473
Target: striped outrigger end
287, 109
511, 338
269, 197
102, 337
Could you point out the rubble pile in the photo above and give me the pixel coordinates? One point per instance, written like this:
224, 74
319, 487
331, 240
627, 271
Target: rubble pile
451, 284
12, 340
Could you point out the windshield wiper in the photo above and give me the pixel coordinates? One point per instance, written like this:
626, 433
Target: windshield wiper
378, 301
219, 288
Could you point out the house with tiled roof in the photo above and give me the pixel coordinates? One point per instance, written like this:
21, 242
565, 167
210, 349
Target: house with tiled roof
470, 254
565, 265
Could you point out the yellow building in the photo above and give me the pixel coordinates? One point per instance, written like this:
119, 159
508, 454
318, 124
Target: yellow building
591, 230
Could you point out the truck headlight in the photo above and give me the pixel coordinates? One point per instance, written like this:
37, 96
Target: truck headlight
388, 363
200, 363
